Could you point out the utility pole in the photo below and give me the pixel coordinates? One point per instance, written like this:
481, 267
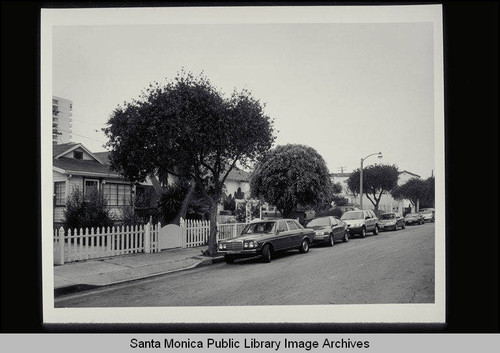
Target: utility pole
361, 178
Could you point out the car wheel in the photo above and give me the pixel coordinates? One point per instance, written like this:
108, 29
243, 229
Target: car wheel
266, 253
229, 259
304, 247
345, 239
363, 232
331, 240
375, 231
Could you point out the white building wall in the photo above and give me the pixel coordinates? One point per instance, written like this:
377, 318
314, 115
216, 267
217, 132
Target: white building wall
233, 185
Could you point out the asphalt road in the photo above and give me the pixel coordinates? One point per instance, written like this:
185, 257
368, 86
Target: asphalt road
392, 267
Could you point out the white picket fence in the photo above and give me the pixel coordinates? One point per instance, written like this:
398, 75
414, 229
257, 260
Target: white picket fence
196, 233
229, 230
85, 244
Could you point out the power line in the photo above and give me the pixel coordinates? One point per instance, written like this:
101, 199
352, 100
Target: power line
70, 132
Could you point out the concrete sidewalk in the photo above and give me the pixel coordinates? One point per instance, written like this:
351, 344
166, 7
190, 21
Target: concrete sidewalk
84, 275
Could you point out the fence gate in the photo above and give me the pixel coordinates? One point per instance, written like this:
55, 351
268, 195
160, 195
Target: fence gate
170, 237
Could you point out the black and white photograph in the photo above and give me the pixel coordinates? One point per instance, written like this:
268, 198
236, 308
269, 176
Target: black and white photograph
243, 165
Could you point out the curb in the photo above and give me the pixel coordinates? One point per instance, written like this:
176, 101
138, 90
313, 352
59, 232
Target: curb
75, 288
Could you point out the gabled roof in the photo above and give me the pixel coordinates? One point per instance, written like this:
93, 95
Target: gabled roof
62, 149
98, 167
84, 167
237, 174
103, 156
59, 149
407, 172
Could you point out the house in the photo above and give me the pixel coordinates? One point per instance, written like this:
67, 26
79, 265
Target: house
75, 167
238, 179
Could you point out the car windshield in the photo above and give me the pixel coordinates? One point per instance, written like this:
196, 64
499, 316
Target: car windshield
319, 222
261, 227
352, 215
388, 216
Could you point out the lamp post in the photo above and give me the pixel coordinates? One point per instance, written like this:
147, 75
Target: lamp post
361, 178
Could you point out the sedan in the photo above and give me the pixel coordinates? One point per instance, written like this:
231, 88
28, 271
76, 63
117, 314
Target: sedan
264, 238
414, 218
328, 229
391, 220
428, 214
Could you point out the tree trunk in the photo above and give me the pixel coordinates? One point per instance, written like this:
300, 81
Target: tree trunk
212, 240
185, 204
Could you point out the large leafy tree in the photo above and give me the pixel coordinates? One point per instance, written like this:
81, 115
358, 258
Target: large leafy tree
377, 179
186, 127
416, 190
292, 175
429, 198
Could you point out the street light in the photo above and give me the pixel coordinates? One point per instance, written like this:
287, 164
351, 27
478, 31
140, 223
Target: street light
361, 178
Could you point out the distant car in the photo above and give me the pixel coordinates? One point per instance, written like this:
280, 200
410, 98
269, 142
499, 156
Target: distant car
391, 220
428, 214
328, 229
360, 222
414, 218
265, 238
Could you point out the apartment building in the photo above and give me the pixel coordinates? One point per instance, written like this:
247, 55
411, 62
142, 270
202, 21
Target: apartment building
62, 115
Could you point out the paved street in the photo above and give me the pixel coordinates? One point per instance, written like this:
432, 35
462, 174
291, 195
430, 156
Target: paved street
392, 267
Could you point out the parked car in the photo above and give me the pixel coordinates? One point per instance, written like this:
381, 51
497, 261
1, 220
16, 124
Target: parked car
414, 218
428, 214
391, 220
328, 229
265, 238
360, 222
303, 216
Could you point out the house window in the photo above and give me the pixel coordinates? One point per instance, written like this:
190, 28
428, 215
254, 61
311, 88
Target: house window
78, 155
118, 194
90, 188
59, 193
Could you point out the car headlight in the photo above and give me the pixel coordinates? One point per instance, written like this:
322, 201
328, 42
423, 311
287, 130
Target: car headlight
222, 246
250, 244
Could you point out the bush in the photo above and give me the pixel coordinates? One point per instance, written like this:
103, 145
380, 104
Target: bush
238, 194
171, 200
139, 216
91, 213
229, 203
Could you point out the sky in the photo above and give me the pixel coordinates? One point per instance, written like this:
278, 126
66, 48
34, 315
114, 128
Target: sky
346, 89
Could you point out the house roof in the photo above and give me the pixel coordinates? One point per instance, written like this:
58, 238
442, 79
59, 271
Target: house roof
98, 167
407, 172
63, 147
238, 175
84, 167
103, 156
